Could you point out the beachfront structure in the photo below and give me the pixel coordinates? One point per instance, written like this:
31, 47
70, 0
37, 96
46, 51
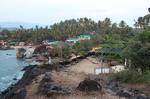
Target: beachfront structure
84, 37
2, 43
79, 38
52, 42
72, 40
48, 42
57, 43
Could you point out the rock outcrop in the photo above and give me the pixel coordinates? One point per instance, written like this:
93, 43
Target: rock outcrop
49, 88
20, 53
89, 85
119, 90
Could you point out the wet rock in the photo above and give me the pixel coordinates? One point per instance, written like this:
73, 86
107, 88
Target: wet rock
31, 72
20, 95
89, 85
14, 78
29, 76
16, 95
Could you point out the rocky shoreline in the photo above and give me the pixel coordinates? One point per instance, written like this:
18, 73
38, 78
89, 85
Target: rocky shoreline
31, 72
18, 90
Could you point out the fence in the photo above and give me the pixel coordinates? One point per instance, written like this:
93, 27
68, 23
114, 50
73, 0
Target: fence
103, 70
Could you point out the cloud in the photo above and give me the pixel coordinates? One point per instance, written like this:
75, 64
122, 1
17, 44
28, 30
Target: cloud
50, 11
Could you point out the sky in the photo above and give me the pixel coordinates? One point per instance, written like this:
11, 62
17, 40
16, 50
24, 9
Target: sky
47, 12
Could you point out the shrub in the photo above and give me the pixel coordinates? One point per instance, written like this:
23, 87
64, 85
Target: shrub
146, 77
131, 76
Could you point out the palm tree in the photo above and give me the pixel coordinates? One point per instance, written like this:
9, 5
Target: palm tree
140, 22
122, 24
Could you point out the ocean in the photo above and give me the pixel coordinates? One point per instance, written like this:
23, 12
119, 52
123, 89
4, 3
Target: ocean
10, 68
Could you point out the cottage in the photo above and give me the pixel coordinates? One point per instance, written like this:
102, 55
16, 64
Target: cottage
49, 42
72, 40
79, 38
84, 37
2, 43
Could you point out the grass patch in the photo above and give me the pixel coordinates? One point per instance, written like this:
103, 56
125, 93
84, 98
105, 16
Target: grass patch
131, 76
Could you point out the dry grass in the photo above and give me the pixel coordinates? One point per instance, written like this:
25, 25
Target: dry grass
71, 77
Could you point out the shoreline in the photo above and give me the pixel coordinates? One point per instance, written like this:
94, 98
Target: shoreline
18, 90
16, 47
10, 68
30, 73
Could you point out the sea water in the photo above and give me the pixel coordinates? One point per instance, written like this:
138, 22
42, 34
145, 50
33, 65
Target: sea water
10, 68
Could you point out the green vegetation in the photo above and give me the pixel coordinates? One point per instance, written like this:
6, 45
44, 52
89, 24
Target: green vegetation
61, 52
82, 48
131, 76
65, 51
118, 42
138, 52
70, 29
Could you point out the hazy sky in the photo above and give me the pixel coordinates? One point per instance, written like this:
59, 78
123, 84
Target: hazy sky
51, 11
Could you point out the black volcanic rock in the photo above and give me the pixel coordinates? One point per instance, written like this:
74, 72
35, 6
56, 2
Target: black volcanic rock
50, 89
89, 85
21, 94
124, 93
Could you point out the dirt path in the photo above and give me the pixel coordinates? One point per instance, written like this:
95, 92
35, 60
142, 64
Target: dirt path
71, 77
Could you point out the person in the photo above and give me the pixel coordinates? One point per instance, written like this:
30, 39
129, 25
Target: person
49, 60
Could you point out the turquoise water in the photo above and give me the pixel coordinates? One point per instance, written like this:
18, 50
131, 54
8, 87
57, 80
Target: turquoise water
10, 68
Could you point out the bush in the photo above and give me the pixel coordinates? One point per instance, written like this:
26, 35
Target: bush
138, 52
131, 76
146, 77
